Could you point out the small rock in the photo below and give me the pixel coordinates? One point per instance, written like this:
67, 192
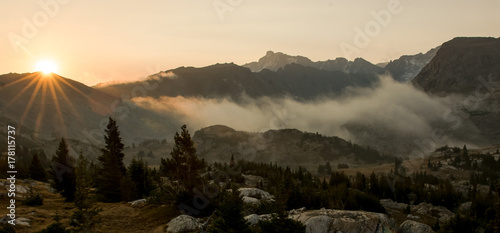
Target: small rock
465, 208
297, 211
22, 189
411, 216
23, 222
137, 202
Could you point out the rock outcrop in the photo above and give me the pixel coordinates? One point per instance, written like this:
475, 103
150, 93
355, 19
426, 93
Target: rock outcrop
439, 212
332, 221
183, 223
410, 226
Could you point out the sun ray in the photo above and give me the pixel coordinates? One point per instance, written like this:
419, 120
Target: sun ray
56, 103
19, 80
40, 116
58, 88
32, 99
31, 83
86, 96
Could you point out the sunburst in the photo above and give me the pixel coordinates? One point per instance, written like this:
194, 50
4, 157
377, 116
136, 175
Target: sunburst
48, 87
46, 67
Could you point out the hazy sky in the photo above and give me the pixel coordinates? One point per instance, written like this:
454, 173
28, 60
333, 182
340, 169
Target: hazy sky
99, 41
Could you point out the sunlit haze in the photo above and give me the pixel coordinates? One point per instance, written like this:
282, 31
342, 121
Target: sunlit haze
97, 42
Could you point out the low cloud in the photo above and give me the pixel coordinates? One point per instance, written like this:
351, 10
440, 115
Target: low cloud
396, 108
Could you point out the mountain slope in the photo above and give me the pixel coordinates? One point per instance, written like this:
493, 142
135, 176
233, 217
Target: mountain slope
285, 146
407, 67
48, 107
468, 68
458, 64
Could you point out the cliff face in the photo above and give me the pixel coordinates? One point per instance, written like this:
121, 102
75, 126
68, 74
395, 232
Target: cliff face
459, 65
407, 67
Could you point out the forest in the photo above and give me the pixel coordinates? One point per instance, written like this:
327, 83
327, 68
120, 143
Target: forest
210, 191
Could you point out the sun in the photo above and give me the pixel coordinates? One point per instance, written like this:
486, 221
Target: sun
46, 66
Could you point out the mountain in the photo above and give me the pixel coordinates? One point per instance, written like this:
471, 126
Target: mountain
44, 108
459, 64
285, 146
274, 61
407, 67
233, 81
468, 68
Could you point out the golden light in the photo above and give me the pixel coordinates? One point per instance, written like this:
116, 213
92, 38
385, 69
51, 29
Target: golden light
46, 66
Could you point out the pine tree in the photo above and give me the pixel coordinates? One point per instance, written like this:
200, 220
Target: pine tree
36, 170
86, 217
328, 168
63, 172
184, 166
139, 174
112, 167
229, 215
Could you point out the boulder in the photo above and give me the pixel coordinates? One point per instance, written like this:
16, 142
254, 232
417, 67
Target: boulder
253, 219
439, 212
410, 226
251, 200
252, 181
333, 221
183, 223
255, 193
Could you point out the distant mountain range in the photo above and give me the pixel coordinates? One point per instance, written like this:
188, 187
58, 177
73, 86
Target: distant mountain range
275, 61
403, 69
46, 109
234, 82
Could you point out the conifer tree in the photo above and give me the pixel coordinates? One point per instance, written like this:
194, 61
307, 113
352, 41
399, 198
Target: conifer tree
36, 169
86, 217
112, 167
229, 215
63, 172
184, 166
139, 174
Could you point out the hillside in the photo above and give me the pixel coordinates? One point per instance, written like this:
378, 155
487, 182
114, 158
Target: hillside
286, 147
48, 107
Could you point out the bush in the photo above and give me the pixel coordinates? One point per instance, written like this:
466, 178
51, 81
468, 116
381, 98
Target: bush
33, 199
7, 228
56, 227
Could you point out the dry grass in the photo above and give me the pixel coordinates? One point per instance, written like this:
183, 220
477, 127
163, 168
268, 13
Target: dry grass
116, 217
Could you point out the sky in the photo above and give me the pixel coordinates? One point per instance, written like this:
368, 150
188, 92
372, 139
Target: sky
116, 40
